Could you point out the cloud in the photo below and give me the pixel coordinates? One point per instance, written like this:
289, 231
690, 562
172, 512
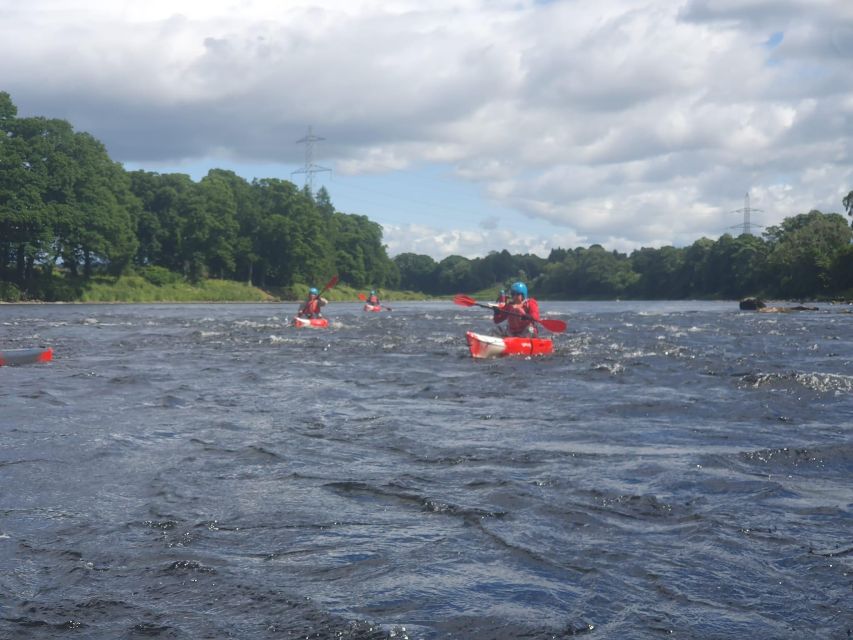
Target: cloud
612, 123
472, 243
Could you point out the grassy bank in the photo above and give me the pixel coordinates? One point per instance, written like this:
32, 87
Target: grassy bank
138, 289
158, 285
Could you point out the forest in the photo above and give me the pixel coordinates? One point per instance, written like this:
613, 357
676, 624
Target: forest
69, 213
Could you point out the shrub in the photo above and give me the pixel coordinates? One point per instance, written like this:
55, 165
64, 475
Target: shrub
159, 276
9, 292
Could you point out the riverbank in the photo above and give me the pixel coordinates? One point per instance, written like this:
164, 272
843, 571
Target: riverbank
139, 289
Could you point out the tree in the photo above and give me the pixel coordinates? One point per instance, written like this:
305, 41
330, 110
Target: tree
25, 227
61, 198
360, 255
803, 250
417, 272
294, 244
248, 217
659, 273
98, 228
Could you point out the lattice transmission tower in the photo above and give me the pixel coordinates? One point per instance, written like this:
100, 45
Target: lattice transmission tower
310, 168
747, 211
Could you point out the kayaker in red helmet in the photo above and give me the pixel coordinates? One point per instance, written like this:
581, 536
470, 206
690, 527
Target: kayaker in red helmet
311, 307
527, 310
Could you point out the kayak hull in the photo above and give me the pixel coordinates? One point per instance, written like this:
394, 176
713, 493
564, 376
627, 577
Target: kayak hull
373, 307
25, 356
311, 323
483, 346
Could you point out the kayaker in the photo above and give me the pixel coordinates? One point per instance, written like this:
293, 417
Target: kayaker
520, 311
373, 299
502, 297
311, 307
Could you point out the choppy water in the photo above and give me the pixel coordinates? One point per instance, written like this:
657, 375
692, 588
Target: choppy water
205, 471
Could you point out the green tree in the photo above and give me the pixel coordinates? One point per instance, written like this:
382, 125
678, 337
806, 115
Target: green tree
98, 226
455, 275
360, 255
61, 198
660, 273
249, 217
417, 272
25, 225
803, 250
295, 246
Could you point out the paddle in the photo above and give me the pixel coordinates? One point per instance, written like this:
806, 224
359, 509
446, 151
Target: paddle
331, 283
556, 326
363, 298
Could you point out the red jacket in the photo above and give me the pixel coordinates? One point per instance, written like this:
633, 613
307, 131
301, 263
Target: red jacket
311, 308
519, 326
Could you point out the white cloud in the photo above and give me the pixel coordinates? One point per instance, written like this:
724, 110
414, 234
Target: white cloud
472, 243
614, 122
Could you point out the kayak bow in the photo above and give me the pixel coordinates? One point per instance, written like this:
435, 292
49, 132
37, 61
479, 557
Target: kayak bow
314, 323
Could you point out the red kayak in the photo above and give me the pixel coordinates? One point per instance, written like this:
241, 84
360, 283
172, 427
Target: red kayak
314, 323
482, 346
25, 356
373, 307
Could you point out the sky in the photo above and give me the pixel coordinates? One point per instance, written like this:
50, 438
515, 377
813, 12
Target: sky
467, 126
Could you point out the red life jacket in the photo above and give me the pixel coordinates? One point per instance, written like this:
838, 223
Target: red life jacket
519, 326
311, 308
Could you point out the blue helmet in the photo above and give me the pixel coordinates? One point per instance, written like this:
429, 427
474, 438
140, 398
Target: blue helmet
313, 291
519, 287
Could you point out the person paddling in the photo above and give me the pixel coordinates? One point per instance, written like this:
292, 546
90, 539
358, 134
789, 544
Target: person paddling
311, 307
502, 297
521, 312
373, 299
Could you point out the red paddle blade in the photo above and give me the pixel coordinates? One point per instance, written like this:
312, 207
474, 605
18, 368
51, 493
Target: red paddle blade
555, 326
331, 283
362, 297
465, 301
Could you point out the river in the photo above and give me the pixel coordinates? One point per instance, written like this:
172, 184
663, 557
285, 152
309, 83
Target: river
675, 469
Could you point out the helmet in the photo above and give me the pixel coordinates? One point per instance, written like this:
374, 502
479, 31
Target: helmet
372, 292
519, 287
313, 291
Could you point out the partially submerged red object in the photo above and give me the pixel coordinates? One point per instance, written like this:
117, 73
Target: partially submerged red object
26, 356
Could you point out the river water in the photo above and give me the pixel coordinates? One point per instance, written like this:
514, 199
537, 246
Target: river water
205, 471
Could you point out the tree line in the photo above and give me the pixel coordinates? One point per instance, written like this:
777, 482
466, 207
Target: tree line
806, 256
66, 207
